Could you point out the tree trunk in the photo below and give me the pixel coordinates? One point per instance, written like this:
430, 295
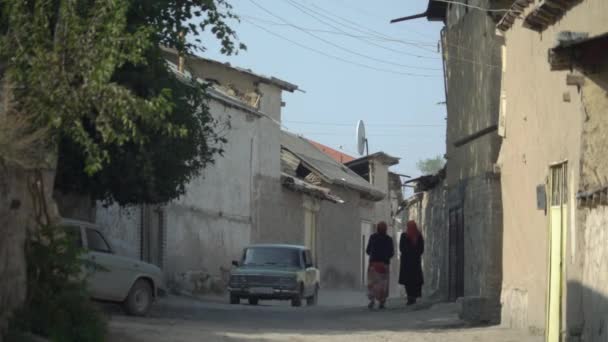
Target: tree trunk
14, 206
21, 209
25, 203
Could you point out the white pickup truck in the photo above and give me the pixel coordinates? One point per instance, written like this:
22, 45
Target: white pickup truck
134, 283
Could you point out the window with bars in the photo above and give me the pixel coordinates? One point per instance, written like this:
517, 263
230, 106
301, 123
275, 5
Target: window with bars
559, 185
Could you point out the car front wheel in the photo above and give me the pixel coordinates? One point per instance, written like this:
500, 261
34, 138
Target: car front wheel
234, 299
253, 301
314, 299
297, 300
140, 298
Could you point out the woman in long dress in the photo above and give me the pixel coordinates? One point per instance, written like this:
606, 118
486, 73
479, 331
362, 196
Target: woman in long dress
411, 246
380, 249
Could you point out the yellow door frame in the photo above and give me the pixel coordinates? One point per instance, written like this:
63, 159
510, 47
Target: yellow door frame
554, 320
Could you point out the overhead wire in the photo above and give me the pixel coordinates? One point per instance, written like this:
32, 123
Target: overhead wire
363, 39
328, 42
356, 26
392, 39
348, 4
338, 57
475, 7
341, 33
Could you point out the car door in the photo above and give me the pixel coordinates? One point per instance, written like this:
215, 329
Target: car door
109, 279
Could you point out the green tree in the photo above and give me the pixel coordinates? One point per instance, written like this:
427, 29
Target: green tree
157, 170
114, 108
430, 165
85, 83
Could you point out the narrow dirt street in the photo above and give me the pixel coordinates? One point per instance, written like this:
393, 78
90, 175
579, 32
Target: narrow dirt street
184, 320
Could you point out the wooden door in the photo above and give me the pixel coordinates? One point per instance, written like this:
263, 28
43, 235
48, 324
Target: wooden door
456, 253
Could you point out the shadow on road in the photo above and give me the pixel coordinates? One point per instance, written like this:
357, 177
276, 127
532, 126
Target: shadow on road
279, 317
180, 319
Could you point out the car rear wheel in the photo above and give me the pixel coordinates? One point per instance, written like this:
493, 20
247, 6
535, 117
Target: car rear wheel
234, 299
140, 298
253, 301
314, 299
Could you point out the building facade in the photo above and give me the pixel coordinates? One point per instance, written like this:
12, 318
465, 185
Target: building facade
269, 186
195, 238
553, 125
336, 225
471, 54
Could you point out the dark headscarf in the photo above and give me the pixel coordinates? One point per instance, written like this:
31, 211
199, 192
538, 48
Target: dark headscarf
412, 231
381, 227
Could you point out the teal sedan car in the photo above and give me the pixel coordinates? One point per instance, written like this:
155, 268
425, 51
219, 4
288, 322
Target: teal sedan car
279, 272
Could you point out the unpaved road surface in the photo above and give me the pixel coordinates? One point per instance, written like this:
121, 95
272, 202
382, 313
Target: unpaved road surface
179, 319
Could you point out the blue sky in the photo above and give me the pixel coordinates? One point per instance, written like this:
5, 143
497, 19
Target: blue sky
401, 111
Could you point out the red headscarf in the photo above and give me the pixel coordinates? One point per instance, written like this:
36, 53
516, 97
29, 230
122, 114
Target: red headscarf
412, 231
381, 227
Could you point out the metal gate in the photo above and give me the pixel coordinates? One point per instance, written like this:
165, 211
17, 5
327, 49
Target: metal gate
456, 253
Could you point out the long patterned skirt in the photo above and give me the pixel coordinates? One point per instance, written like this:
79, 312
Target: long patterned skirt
378, 275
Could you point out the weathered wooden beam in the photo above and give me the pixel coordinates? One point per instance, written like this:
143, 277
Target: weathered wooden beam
575, 79
475, 135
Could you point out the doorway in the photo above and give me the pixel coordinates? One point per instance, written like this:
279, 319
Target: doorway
558, 211
456, 253
366, 232
152, 239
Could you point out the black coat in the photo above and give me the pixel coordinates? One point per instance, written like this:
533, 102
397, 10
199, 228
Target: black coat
380, 248
410, 271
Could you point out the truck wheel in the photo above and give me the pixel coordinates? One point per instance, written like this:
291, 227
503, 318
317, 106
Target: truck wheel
253, 301
234, 299
140, 298
314, 299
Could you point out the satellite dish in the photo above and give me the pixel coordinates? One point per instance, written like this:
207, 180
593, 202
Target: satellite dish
362, 146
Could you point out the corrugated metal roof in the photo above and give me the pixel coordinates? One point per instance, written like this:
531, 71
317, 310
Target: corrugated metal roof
384, 157
267, 79
338, 156
330, 170
295, 184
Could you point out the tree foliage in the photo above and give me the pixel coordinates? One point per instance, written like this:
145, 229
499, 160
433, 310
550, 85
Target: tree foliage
91, 72
430, 166
57, 304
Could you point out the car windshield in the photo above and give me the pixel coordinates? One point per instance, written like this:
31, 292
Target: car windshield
264, 256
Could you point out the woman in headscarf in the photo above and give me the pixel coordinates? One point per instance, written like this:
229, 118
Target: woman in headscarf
411, 246
380, 249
